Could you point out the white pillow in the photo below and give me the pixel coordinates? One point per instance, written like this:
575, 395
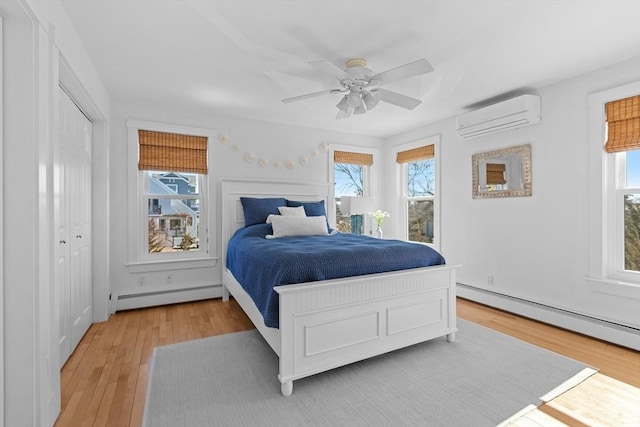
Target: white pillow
287, 211
284, 226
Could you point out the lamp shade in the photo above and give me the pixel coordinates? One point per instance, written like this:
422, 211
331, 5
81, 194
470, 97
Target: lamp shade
342, 105
371, 100
350, 205
354, 100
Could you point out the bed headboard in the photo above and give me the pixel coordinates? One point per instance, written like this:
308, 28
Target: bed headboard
233, 189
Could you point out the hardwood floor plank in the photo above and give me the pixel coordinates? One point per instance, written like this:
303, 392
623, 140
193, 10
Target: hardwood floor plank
601, 401
612, 360
104, 382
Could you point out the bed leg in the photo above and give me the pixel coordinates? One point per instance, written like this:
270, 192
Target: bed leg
225, 293
286, 388
451, 337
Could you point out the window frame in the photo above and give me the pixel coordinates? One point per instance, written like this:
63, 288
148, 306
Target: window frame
402, 180
606, 205
139, 260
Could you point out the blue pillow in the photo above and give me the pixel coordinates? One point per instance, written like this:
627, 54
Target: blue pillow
257, 210
310, 208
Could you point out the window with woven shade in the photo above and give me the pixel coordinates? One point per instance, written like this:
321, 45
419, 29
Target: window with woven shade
623, 123
352, 158
418, 173
163, 151
615, 171
350, 173
171, 205
416, 154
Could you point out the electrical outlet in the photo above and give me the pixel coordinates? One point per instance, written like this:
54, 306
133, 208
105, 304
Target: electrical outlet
141, 281
490, 279
169, 278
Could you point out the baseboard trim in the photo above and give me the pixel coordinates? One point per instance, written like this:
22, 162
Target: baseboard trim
607, 331
151, 299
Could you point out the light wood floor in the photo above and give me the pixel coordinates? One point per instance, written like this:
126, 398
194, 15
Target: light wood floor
104, 381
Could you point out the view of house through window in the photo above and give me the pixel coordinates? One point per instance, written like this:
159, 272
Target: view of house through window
173, 201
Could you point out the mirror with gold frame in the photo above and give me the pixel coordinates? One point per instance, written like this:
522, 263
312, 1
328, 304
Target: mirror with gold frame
502, 173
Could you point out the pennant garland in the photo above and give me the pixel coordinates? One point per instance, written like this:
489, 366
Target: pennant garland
250, 157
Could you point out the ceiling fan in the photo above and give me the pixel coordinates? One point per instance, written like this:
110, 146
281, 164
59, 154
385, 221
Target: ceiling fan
362, 88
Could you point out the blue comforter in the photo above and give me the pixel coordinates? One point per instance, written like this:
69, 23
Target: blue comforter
259, 264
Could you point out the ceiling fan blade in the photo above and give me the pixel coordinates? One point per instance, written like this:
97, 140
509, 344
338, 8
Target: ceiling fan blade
311, 95
398, 99
412, 69
331, 69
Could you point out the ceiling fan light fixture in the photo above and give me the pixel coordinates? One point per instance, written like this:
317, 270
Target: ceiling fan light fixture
360, 88
354, 100
343, 105
371, 100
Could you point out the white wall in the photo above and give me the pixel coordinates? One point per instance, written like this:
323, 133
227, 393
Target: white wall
271, 141
30, 78
535, 247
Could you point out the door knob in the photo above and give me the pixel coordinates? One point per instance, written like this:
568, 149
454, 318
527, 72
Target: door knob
63, 242
79, 236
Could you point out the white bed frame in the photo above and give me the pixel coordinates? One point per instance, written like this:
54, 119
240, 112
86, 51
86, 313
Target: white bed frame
327, 324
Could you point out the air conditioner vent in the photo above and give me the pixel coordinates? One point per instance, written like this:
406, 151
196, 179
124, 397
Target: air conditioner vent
513, 113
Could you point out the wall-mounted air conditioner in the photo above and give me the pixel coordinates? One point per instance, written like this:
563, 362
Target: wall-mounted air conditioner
523, 110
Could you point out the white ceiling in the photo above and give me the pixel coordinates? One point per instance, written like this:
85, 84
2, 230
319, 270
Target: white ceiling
240, 58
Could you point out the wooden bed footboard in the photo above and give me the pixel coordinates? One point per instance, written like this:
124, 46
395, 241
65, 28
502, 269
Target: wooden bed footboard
333, 323
324, 325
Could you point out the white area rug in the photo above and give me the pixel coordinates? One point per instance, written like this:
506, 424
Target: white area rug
231, 380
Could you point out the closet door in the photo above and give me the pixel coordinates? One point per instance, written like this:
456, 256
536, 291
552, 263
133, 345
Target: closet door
73, 224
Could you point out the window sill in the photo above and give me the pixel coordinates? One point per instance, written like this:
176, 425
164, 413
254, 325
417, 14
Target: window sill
177, 264
614, 287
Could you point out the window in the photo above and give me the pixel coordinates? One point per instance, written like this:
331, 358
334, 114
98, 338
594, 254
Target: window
168, 204
614, 232
350, 175
418, 179
177, 206
631, 211
623, 145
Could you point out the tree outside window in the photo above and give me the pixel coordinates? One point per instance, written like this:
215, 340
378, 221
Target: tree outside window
632, 211
418, 169
420, 199
350, 172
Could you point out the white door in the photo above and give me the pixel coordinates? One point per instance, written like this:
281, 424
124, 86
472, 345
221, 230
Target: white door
73, 222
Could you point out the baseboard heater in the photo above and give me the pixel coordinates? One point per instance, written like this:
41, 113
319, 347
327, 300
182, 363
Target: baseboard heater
617, 333
169, 296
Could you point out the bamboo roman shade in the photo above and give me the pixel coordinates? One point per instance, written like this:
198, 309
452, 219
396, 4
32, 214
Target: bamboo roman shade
623, 120
162, 151
416, 154
353, 158
495, 173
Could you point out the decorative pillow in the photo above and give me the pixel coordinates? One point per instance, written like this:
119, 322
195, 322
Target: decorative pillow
284, 226
287, 211
311, 208
257, 210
